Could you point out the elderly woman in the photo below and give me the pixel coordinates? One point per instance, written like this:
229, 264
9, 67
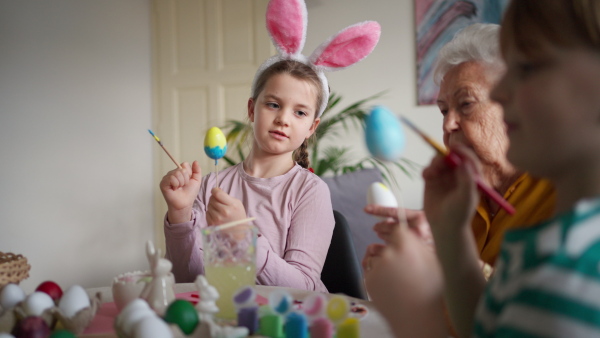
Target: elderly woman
467, 69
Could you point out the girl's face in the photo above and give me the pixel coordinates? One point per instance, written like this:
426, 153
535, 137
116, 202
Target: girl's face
283, 114
551, 109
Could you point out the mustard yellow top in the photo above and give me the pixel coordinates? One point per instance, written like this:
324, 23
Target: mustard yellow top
534, 200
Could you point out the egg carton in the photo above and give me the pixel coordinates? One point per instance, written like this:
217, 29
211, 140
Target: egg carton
76, 323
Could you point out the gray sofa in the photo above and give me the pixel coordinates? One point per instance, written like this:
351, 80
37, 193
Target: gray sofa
349, 197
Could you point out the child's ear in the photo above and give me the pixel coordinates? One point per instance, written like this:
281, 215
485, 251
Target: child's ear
251, 109
314, 126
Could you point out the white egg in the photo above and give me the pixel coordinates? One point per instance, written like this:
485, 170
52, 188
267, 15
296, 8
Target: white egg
379, 194
134, 317
73, 300
10, 296
151, 326
135, 311
137, 304
36, 303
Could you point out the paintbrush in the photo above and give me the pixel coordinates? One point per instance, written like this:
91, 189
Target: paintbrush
228, 225
165, 149
454, 160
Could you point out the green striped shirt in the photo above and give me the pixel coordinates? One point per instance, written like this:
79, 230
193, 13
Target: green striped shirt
547, 279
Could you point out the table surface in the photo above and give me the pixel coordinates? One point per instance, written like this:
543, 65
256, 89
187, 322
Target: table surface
371, 325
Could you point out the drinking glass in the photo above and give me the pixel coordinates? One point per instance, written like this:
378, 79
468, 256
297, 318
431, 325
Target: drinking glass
229, 262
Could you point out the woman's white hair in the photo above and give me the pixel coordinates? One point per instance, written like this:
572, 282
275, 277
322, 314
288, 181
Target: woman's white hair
478, 42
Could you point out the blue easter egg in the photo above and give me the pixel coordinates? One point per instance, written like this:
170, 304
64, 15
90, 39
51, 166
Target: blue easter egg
384, 136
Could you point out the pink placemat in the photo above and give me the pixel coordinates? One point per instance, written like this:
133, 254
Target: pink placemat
106, 314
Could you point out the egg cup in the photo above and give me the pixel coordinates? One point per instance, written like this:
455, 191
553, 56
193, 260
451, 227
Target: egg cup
128, 286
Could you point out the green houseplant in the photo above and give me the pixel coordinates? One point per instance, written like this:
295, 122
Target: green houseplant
331, 159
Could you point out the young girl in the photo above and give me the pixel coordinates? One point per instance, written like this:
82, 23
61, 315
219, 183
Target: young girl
292, 206
547, 277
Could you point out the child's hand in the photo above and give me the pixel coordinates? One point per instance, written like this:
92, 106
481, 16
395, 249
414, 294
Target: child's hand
180, 188
417, 222
405, 282
223, 208
451, 192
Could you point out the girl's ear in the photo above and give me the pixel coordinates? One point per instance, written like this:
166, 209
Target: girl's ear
314, 126
251, 109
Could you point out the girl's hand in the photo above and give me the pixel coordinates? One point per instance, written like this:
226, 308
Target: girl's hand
223, 208
180, 188
451, 192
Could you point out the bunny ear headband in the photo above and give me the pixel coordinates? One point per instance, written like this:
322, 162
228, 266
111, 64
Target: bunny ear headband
286, 23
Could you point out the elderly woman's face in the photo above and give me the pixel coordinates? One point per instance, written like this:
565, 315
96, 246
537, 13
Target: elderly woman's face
470, 117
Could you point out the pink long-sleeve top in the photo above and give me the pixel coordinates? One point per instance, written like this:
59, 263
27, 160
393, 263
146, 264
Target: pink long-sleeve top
294, 218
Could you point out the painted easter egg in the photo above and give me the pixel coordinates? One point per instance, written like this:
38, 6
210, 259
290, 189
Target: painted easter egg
52, 289
245, 296
215, 143
62, 334
314, 305
379, 194
337, 308
281, 302
182, 313
384, 136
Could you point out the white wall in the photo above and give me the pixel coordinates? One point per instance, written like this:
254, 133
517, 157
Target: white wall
76, 170
390, 67
75, 102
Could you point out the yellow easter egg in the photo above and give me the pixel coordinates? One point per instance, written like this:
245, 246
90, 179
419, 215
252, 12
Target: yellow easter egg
337, 308
215, 143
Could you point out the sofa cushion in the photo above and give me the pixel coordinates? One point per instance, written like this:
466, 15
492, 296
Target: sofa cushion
349, 197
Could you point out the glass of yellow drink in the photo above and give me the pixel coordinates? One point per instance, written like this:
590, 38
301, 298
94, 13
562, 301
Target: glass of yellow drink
229, 263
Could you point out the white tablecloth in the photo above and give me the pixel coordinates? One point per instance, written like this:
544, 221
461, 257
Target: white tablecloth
372, 325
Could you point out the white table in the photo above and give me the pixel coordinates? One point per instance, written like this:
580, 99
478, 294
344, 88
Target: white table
372, 325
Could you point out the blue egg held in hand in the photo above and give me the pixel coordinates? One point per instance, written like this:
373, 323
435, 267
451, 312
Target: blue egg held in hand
384, 135
215, 143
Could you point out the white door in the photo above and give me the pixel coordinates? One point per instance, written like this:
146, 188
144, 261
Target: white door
205, 55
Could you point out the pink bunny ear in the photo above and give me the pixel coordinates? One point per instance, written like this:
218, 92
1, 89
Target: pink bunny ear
286, 23
347, 47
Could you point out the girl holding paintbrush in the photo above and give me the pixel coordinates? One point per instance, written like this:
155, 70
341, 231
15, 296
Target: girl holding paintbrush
292, 206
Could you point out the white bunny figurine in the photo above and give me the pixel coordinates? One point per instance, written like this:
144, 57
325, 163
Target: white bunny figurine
208, 296
159, 291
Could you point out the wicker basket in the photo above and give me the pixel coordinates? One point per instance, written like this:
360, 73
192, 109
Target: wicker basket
13, 268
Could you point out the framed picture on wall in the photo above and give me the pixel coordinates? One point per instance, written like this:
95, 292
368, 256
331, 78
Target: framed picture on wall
436, 23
